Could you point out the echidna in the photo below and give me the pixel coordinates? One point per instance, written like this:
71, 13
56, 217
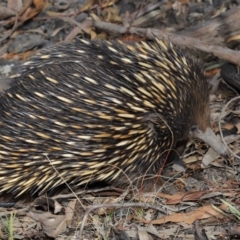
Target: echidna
99, 110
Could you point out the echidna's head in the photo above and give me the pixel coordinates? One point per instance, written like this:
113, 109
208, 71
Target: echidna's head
186, 96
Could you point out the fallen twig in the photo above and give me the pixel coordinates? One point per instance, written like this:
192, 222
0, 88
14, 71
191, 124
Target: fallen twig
12, 30
150, 33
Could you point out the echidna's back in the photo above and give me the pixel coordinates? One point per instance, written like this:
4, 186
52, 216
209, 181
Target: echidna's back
93, 110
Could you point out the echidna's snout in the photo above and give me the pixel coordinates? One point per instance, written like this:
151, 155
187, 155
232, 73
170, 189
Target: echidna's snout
209, 137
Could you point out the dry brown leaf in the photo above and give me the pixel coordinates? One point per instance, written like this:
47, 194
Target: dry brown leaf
181, 197
211, 195
233, 38
53, 225
152, 16
132, 38
81, 27
87, 5
108, 3
26, 54
212, 72
175, 198
17, 56
33, 11
189, 218
57, 30
191, 159
39, 4
55, 14
26, 5
111, 15
220, 11
208, 158
102, 36
95, 17
73, 33
91, 3
93, 34
24, 14
6, 13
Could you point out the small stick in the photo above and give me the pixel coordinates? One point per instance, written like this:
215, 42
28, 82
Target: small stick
150, 33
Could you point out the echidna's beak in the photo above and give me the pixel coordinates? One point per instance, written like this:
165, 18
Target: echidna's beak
211, 139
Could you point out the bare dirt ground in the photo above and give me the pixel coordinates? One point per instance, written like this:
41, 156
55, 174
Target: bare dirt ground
198, 201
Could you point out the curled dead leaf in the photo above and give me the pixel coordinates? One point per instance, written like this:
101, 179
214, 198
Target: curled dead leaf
53, 225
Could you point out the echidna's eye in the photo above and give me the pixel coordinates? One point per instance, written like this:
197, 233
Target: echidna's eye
193, 130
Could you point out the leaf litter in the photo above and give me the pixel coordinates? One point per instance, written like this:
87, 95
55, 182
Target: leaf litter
194, 196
